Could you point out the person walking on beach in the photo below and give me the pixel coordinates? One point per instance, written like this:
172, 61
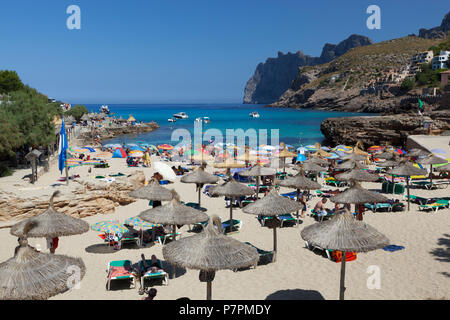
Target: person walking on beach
303, 202
146, 158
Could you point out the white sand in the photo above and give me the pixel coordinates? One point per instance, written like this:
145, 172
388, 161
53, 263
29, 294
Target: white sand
412, 273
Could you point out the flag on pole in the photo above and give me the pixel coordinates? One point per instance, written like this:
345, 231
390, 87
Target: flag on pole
420, 106
62, 150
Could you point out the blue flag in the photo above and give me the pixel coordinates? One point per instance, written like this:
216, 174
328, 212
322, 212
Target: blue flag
62, 150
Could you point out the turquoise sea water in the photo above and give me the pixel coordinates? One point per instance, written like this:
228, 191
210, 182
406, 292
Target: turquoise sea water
296, 127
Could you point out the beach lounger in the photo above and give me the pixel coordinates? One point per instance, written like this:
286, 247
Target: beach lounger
161, 274
134, 240
237, 224
283, 218
374, 207
335, 183
162, 239
439, 204
120, 270
320, 218
292, 195
312, 248
264, 256
420, 200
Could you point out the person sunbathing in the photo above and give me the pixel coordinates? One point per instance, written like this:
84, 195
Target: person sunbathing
320, 209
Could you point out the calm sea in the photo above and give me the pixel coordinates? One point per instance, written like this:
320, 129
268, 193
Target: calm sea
296, 127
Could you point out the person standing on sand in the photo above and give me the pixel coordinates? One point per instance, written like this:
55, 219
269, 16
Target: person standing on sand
146, 158
303, 202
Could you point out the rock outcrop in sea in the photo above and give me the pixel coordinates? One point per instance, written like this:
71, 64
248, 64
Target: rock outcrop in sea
272, 78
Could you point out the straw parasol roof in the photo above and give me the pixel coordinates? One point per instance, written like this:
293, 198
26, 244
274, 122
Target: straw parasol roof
231, 188
258, 171
388, 163
131, 119
318, 161
210, 251
354, 157
152, 191
202, 157
357, 195
417, 153
432, 159
321, 153
345, 234
173, 213
445, 168
229, 164
85, 117
32, 275
350, 164
312, 167
199, 177
248, 157
271, 205
357, 175
407, 169
51, 224
285, 153
299, 181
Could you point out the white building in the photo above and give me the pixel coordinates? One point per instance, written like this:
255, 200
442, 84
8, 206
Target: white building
441, 61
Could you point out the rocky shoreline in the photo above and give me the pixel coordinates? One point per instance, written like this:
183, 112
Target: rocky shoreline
109, 132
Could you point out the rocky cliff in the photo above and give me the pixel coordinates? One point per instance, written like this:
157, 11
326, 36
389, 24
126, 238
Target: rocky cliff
272, 78
381, 129
439, 32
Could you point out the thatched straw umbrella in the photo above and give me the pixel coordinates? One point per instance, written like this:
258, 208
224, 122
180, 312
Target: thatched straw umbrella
417, 153
432, 159
32, 275
199, 177
231, 189
354, 157
229, 164
310, 166
173, 213
358, 195
321, 153
407, 169
388, 164
152, 191
345, 234
319, 161
258, 171
285, 153
299, 182
51, 224
386, 155
272, 205
350, 164
210, 251
357, 175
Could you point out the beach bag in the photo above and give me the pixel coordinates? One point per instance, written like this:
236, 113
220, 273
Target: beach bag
336, 256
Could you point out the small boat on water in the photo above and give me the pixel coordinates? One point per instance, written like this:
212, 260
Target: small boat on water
254, 114
198, 119
105, 109
180, 115
172, 120
206, 120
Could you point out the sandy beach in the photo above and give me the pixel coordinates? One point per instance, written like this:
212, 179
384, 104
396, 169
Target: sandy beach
420, 271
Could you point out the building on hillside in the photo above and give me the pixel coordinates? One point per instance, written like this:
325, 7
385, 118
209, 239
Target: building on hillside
441, 61
445, 75
418, 59
430, 91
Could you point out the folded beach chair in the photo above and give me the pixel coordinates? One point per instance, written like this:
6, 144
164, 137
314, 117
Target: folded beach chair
120, 270
283, 218
162, 239
439, 204
161, 274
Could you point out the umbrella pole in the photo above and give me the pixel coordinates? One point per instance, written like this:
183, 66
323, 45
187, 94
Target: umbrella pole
257, 187
209, 290
174, 269
407, 189
342, 288
274, 257
393, 184
298, 194
199, 193
231, 213
431, 175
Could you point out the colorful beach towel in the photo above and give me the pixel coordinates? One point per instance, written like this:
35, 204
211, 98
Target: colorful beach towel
393, 247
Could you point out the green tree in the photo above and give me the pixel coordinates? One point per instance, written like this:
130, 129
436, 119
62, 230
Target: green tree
407, 84
77, 112
9, 81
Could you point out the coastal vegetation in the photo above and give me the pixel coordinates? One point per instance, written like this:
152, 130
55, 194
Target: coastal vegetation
77, 112
26, 119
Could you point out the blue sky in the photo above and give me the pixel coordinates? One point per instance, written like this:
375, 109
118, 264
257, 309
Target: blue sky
156, 51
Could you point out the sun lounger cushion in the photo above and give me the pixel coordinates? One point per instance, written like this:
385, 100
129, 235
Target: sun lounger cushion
393, 247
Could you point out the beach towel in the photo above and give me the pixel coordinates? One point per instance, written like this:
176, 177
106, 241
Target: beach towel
118, 272
393, 247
